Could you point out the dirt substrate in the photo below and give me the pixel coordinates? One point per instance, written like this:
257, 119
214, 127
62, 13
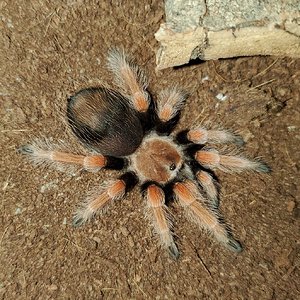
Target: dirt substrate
48, 51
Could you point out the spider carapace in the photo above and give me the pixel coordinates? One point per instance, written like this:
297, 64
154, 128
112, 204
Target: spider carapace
127, 130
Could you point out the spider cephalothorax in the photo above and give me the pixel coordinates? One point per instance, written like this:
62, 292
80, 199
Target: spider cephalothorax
128, 130
157, 159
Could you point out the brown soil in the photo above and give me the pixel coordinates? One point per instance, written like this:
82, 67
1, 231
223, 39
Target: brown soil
48, 51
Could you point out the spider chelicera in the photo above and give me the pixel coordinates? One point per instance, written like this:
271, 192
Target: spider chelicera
127, 130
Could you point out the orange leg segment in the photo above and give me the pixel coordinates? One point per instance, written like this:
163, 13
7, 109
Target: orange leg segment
209, 186
170, 103
212, 159
130, 78
99, 201
202, 136
58, 158
91, 162
190, 198
157, 209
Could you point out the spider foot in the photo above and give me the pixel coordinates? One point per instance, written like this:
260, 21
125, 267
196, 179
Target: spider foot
234, 245
173, 251
77, 221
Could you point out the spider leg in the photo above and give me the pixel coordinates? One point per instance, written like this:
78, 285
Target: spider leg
213, 160
130, 78
169, 105
57, 158
161, 223
209, 185
190, 198
202, 136
113, 191
106, 194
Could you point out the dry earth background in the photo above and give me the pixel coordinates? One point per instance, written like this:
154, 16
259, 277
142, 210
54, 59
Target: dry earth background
50, 49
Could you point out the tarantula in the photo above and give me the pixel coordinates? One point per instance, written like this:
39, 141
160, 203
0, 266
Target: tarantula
127, 130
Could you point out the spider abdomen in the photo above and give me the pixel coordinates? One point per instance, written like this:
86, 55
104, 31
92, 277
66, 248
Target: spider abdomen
102, 119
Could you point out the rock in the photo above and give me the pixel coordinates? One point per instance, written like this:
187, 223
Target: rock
219, 29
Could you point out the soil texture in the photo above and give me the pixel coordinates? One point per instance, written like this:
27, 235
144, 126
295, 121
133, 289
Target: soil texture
51, 49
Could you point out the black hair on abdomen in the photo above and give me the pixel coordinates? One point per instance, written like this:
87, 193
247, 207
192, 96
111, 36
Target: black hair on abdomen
103, 119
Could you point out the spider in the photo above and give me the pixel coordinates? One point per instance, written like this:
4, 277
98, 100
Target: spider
127, 130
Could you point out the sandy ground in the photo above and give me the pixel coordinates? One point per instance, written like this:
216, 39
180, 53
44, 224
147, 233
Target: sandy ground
49, 50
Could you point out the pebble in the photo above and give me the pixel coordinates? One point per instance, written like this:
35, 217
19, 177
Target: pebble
96, 239
19, 116
281, 261
206, 78
291, 205
282, 91
124, 231
53, 287
247, 135
221, 97
256, 123
48, 186
291, 128
137, 278
18, 211
296, 213
130, 242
